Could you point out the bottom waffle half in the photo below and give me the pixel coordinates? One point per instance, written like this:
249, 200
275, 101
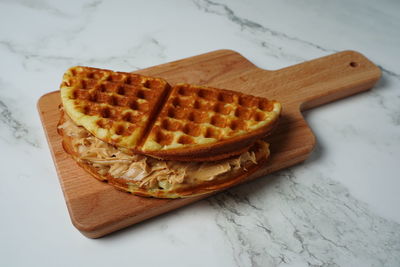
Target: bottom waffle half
149, 177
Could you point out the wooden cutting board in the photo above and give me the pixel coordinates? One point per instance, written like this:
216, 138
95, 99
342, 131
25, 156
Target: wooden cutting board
97, 209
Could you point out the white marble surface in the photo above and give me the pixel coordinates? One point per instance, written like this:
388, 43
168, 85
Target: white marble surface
339, 208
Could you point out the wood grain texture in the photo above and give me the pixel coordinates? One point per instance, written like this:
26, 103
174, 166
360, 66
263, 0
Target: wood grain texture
97, 209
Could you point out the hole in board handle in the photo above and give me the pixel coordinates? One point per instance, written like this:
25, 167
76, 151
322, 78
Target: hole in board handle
353, 64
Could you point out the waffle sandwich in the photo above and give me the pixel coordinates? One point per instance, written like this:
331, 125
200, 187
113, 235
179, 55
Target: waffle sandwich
143, 136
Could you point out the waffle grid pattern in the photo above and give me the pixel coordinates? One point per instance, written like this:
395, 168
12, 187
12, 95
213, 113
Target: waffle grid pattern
196, 115
112, 105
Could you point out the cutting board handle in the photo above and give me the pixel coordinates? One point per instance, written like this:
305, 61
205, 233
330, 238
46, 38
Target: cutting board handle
319, 81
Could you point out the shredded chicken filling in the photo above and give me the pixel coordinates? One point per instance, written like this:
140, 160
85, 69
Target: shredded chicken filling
147, 172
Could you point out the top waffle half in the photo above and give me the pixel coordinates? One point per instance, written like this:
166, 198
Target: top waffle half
115, 107
145, 115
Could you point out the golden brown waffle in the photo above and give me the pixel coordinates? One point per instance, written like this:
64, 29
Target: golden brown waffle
204, 123
185, 123
114, 106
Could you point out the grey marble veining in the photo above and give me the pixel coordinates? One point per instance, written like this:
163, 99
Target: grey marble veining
272, 46
246, 24
388, 104
42, 6
390, 73
148, 47
255, 28
13, 126
17, 128
309, 220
